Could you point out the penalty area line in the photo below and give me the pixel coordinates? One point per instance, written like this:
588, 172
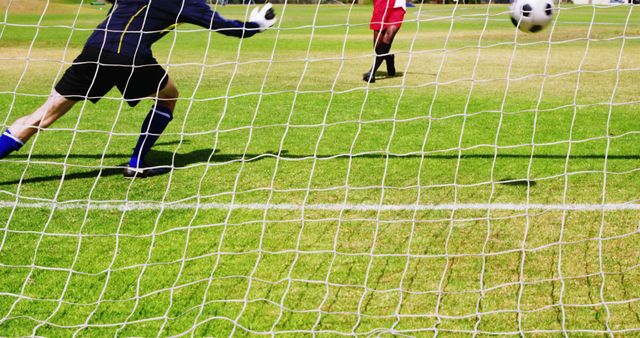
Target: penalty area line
328, 207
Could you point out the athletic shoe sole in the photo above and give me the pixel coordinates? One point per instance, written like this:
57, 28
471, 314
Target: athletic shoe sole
130, 172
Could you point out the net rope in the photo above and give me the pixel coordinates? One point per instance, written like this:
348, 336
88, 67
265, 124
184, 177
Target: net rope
397, 256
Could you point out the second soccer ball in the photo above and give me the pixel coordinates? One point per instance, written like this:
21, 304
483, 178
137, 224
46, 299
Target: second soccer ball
531, 15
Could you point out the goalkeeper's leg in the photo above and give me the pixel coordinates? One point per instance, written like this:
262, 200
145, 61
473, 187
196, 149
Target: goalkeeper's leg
23, 128
154, 124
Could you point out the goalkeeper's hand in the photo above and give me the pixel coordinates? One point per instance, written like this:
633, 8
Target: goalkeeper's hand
264, 17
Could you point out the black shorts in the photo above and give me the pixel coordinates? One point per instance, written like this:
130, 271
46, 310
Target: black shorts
94, 73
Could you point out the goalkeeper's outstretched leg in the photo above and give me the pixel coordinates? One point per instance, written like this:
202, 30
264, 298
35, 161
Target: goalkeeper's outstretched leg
23, 128
57, 105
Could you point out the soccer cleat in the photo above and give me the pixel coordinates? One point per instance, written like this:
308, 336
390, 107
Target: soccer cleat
369, 77
143, 172
391, 65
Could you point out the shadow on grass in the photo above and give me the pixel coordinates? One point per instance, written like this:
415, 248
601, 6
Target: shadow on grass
156, 157
381, 76
181, 160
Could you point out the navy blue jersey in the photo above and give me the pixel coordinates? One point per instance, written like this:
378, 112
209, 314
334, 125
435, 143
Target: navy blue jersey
132, 26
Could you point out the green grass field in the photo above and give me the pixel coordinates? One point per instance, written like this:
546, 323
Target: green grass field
282, 127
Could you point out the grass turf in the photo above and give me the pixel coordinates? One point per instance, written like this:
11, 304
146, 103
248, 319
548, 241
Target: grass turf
284, 117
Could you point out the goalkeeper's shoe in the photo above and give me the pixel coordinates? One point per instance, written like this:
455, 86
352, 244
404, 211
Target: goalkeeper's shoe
369, 77
391, 65
144, 171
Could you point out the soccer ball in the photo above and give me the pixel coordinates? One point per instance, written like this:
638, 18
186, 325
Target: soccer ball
531, 15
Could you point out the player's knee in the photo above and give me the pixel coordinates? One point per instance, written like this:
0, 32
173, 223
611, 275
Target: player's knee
174, 94
389, 34
168, 96
170, 91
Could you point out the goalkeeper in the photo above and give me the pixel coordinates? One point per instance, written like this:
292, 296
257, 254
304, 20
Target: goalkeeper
118, 53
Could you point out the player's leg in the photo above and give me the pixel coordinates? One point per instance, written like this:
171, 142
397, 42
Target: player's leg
380, 8
385, 25
25, 127
385, 46
376, 38
382, 47
154, 124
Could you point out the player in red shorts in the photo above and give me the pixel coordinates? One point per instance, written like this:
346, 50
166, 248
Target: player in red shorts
385, 22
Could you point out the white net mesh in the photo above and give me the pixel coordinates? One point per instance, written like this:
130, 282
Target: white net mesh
491, 187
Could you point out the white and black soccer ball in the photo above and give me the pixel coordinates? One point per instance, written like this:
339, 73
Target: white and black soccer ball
531, 15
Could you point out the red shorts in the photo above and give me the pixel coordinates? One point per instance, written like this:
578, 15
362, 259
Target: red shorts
384, 15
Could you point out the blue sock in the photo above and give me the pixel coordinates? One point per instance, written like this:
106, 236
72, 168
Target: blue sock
153, 125
9, 144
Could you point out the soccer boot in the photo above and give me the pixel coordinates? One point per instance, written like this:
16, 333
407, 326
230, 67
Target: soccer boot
391, 65
143, 172
369, 77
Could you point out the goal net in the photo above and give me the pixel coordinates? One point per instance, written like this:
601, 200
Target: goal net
490, 187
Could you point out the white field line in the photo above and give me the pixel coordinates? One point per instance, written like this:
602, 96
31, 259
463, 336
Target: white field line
329, 207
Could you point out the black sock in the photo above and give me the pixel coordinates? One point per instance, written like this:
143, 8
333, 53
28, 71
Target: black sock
381, 54
153, 125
